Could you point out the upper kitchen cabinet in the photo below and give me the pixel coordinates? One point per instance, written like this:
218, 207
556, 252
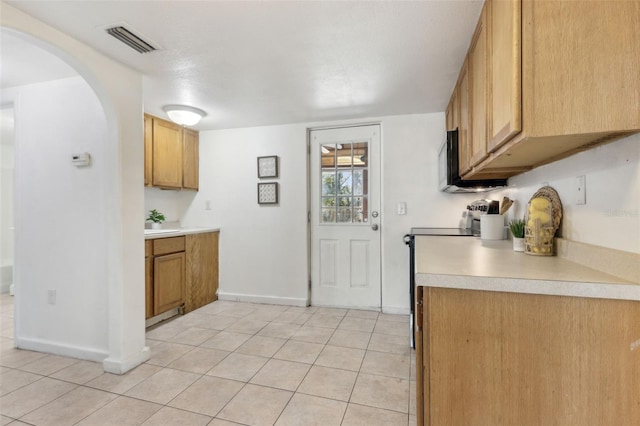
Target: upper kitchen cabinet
505, 72
148, 150
463, 130
190, 173
171, 155
562, 77
477, 58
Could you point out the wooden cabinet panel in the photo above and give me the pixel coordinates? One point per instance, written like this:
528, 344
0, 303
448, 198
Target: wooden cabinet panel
449, 115
505, 53
168, 245
529, 359
148, 279
148, 150
167, 154
190, 155
168, 282
202, 269
453, 111
478, 88
463, 134
580, 67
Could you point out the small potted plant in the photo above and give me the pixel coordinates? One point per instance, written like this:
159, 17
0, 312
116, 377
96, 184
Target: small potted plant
517, 230
156, 218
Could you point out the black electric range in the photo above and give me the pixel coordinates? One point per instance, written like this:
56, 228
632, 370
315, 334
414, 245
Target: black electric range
409, 240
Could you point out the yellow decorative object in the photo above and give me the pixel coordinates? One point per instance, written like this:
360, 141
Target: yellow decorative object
539, 203
544, 215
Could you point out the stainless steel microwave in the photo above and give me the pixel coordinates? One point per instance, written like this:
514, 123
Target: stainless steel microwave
448, 170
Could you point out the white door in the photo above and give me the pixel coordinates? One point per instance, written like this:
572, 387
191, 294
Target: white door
345, 217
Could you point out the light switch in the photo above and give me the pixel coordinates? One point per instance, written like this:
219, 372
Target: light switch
581, 190
401, 208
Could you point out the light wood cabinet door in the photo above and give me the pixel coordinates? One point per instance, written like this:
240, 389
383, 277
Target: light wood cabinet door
148, 279
505, 54
168, 282
509, 358
148, 150
190, 155
453, 111
463, 133
167, 154
202, 269
581, 67
478, 89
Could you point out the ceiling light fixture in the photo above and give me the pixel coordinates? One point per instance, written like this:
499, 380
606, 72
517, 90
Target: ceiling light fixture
184, 115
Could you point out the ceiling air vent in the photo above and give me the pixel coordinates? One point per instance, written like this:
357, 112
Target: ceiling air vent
130, 39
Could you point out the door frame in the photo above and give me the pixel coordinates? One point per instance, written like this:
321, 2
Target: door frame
309, 190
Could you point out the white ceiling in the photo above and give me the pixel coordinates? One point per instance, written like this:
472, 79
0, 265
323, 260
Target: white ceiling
250, 63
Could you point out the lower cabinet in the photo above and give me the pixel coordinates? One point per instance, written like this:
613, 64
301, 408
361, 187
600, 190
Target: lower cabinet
180, 272
148, 279
490, 358
202, 270
168, 282
168, 273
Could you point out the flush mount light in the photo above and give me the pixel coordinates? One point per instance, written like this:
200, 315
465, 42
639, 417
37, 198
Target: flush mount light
184, 115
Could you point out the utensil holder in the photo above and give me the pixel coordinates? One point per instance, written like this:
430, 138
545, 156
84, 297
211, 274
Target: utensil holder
492, 227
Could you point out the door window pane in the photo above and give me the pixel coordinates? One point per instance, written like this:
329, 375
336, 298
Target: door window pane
344, 186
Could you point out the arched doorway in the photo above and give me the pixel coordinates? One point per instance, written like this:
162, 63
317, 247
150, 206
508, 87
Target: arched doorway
84, 302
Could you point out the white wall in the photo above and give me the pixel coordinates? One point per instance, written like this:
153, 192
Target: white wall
611, 216
173, 204
7, 166
119, 91
263, 250
61, 216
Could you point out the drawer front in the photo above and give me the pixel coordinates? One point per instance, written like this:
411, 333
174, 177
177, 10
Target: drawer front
148, 248
168, 245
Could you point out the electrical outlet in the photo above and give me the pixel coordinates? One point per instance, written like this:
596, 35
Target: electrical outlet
581, 190
51, 295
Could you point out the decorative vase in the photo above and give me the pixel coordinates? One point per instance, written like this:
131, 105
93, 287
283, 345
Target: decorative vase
518, 244
155, 225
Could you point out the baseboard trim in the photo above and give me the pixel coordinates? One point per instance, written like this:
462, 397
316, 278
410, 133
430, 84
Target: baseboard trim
54, 348
394, 310
118, 366
269, 300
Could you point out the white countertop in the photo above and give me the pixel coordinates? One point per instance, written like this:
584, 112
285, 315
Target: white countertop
472, 263
151, 234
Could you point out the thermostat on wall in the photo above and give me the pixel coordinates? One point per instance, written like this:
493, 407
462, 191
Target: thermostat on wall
81, 160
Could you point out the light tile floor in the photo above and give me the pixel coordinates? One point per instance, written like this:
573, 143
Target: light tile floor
226, 363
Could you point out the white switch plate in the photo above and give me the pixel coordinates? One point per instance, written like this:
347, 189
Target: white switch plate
401, 208
51, 296
581, 190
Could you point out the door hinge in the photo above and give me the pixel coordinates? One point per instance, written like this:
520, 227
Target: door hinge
309, 216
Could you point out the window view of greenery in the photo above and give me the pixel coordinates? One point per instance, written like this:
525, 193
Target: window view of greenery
344, 183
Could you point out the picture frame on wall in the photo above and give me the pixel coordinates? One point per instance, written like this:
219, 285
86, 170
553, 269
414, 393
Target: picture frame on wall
268, 193
268, 167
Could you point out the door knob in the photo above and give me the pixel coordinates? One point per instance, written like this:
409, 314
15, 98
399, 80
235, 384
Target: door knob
374, 226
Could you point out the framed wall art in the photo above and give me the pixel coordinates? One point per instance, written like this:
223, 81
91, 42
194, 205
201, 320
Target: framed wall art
268, 193
268, 167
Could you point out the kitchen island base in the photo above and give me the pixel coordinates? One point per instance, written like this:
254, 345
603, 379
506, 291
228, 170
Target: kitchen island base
498, 358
